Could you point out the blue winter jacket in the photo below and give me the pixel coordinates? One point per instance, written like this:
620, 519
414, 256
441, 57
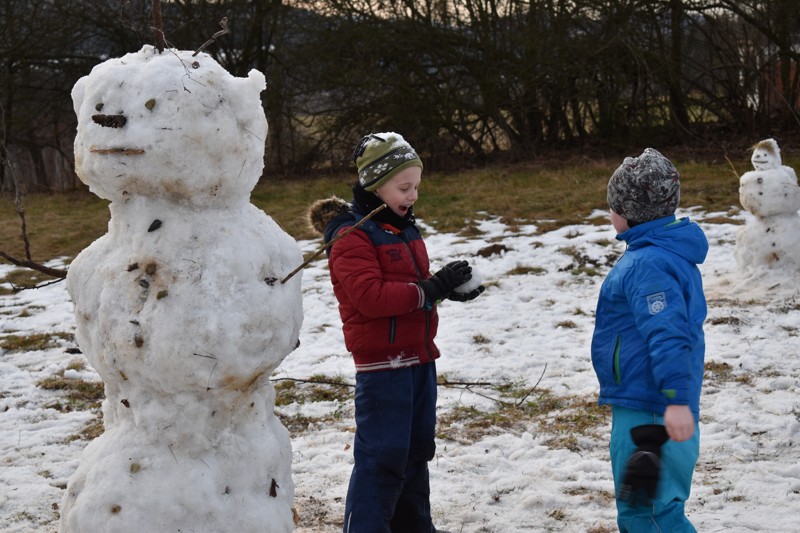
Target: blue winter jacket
648, 344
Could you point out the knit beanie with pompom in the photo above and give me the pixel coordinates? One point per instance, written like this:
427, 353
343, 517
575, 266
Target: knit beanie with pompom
379, 156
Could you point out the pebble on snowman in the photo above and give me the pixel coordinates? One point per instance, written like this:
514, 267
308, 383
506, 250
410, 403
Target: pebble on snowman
769, 241
180, 307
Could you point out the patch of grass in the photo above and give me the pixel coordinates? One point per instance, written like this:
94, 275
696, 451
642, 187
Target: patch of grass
603, 497
549, 193
562, 419
728, 320
582, 264
493, 249
77, 365
34, 342
569, 324
521, 270
317, 388
24, 277
718, 373
57, 224
580, 417
470, 229
602, 528
93, 429
480, 339
78, 394
722, 220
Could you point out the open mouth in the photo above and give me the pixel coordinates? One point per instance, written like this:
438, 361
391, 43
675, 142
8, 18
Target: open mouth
116, 151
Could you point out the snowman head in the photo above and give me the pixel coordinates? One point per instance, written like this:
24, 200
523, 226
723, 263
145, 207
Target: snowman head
172, 126
766, 155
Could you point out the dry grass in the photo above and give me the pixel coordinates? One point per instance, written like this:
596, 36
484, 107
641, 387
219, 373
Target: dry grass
34, 341
564, 421
77, 395
550, 193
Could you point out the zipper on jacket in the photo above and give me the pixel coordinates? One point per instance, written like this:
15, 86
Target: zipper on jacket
427, 312
617, 373
392, 329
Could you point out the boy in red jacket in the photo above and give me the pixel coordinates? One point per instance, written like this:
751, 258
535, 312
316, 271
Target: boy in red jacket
387, 302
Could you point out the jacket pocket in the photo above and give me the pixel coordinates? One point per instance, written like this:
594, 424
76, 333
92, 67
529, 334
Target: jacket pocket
392, 329
615, 361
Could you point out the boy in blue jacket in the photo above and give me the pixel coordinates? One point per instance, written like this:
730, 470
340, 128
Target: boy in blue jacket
648, 346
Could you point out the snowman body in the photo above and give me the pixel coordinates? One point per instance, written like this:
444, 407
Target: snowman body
770, 193
180, 306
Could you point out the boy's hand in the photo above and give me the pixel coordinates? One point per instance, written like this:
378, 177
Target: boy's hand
466, 296
441, 284
679, 421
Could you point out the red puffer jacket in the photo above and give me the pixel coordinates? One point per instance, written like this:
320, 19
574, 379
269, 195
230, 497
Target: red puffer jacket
373, 270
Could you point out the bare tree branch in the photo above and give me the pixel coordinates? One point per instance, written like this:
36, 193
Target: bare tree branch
158, 26
28, 262
55, 272
224, 24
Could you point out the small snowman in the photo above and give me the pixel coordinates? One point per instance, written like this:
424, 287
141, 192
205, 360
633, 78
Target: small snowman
769, 238
180, 306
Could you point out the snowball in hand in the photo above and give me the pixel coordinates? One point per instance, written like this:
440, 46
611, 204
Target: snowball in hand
473, 283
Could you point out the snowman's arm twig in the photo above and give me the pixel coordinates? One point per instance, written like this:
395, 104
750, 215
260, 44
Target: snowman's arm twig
330, 243
220, 33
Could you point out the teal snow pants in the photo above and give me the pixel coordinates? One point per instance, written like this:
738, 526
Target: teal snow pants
678, 459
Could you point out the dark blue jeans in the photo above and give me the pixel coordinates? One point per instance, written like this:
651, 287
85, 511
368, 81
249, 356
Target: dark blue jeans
395, 430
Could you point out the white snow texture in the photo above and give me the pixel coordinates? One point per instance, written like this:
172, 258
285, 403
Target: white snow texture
180, 306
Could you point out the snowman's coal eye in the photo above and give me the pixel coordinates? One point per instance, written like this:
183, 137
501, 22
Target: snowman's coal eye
150, 104
99, 106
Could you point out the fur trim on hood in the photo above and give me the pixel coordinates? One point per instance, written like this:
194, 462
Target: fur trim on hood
323, 211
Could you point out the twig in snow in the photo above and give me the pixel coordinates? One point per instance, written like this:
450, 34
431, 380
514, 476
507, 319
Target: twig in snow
468, 386
315, 381
534, 387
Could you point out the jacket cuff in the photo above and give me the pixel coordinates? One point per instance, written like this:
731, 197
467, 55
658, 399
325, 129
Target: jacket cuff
422, 301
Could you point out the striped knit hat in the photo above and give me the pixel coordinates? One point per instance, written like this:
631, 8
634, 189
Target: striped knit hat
379, 156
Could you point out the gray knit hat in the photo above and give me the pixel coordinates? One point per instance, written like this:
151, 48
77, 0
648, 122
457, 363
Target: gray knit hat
644, 188
379, 156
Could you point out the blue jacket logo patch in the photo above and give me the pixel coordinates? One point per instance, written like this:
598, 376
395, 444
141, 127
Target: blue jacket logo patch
656, 302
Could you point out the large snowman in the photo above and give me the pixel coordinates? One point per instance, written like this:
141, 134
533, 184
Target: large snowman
180, 306
770, 238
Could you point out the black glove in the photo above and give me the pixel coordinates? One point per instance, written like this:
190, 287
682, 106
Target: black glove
441, 284
466, 296
642, 471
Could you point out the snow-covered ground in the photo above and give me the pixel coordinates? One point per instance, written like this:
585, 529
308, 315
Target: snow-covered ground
531, 468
